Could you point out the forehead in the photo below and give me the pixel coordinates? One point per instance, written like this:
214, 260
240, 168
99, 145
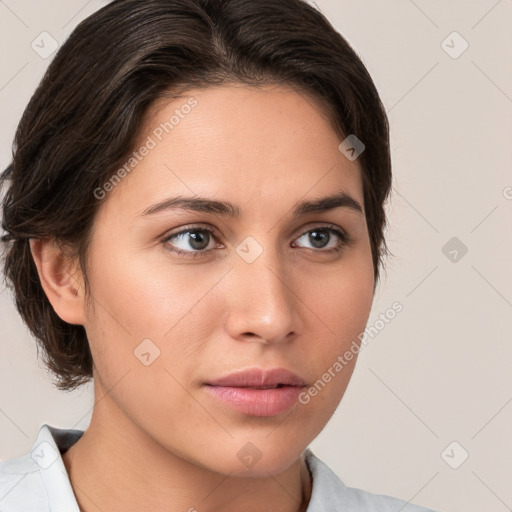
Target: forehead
247, 145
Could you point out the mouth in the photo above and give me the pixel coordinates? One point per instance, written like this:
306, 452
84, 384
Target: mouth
257, 392
262, 387
259, 378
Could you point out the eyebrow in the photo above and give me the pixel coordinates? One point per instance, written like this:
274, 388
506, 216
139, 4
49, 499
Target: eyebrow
201, 204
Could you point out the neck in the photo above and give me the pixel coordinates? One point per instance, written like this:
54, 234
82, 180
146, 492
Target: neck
116, 466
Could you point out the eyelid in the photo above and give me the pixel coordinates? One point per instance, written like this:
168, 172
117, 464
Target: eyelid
190, 227
208, 227
319, 225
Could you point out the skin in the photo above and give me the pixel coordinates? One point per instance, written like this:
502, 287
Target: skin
157, 441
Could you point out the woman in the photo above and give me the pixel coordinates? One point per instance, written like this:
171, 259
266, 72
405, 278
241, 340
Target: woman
195, 216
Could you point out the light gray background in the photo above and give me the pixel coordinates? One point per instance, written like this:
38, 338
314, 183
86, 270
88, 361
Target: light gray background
440, 371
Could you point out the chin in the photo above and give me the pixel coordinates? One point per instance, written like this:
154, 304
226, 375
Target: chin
253, 459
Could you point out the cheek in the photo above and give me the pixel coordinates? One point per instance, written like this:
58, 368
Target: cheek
341, 298
145, 333
146, 295
341, 303
147, 310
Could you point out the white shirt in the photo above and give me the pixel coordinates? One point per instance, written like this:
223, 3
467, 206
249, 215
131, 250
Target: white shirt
38, 482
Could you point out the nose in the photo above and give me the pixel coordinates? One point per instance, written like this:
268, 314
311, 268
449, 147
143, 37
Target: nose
262, 305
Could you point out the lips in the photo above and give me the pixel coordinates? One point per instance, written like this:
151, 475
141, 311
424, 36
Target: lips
259, 378
257, 392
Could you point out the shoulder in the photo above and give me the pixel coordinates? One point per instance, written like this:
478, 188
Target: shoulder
329, 493
38, 480
20, 479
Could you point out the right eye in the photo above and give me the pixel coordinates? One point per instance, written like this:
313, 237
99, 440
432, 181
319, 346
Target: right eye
193, 241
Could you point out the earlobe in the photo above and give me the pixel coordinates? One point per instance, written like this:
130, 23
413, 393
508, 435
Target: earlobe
61, 280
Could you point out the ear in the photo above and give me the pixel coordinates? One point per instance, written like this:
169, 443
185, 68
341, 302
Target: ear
61, 280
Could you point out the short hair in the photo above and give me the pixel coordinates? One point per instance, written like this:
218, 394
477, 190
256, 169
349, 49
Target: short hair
84, 117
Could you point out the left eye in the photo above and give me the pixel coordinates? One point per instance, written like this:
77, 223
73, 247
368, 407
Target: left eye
195, 241
320, 237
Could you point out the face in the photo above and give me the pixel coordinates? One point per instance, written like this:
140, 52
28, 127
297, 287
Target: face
184, 295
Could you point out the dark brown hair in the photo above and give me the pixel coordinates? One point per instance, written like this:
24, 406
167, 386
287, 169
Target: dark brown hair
84, 117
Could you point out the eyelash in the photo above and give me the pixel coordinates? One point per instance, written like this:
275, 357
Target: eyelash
345, 240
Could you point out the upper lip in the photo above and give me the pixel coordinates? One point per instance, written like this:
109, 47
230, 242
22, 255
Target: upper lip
259, 378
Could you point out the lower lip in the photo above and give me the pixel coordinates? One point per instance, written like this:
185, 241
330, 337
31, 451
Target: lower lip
257, 402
